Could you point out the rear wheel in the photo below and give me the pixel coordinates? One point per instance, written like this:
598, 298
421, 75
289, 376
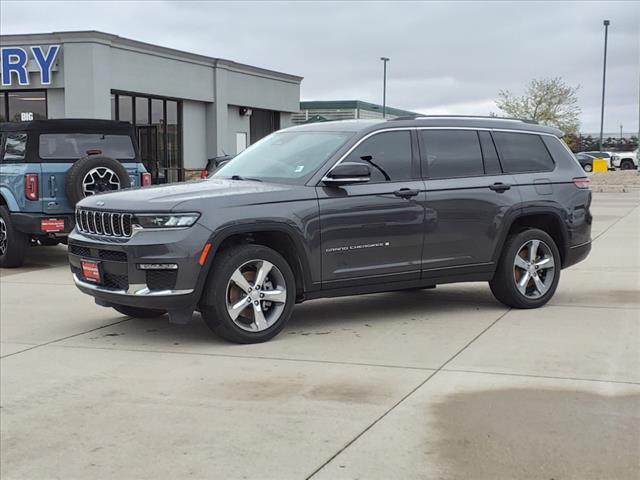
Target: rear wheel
137, 312
528, 271
249, 295
626, 165
13, 244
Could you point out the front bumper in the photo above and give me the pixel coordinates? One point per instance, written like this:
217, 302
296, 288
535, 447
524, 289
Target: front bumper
30, 223
124, 283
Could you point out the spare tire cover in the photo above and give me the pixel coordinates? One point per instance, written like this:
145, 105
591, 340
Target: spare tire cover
95, 174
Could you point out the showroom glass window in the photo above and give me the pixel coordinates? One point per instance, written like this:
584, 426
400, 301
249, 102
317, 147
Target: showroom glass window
388, 155
158, 124
452, 153
23, 105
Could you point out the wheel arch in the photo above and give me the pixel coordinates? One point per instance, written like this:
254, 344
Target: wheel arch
547, 220
8, 200
279, 236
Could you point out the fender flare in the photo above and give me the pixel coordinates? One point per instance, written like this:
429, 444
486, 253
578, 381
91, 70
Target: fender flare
528, 211
9, 199
220, 235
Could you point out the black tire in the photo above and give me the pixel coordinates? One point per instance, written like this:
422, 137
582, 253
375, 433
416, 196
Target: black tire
587, 167
626, 165
213, 305
15, 243
76, 174
503, 285
136, 312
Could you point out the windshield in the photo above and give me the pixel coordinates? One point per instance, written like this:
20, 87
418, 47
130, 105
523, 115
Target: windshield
290, 157
78, 145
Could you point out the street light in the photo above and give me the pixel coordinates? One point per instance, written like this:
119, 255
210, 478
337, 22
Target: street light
606, 24
384, 87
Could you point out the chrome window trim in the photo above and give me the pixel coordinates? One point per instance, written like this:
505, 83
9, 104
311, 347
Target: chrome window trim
357, 144
416, 128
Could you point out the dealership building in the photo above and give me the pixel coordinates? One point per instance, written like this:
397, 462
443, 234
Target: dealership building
186, 107
327, 110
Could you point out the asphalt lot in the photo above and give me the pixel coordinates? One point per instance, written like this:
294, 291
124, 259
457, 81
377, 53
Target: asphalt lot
443, 383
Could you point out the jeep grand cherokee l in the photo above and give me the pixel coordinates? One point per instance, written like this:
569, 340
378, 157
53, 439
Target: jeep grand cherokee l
341, 208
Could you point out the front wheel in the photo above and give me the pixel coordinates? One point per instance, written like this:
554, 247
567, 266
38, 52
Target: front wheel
528, 271
587, 167
250, 294
137, 312
13, 244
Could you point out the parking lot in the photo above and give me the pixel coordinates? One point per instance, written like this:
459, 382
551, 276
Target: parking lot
443, 383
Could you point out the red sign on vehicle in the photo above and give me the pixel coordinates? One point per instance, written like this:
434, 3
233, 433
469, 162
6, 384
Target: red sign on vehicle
91, 271
52, 224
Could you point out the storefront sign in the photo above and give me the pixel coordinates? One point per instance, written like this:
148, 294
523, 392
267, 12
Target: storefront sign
15, 60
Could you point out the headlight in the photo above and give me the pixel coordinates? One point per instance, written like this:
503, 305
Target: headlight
168, 220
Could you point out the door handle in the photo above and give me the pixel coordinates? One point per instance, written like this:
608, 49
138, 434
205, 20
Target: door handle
500, 187
406, 192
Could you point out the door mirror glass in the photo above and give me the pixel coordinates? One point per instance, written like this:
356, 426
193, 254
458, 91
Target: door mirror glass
348, 173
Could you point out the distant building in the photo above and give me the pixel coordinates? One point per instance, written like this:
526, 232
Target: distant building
324, 111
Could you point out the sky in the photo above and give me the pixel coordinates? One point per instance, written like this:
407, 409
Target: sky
446, 57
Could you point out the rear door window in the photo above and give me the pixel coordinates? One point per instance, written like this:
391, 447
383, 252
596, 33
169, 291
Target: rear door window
452, 153
71, 146
15, 147
523, 152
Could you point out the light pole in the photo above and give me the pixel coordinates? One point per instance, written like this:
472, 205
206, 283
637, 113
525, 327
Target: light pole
606, 24
384, 87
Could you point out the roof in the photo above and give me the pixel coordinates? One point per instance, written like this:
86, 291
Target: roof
434, 121
79, 125
95, 36
351, 104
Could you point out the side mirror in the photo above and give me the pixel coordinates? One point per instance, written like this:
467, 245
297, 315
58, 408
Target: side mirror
347, 173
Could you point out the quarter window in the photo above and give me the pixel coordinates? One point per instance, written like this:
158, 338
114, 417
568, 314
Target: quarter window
452, 153
15, 147
523, 152
388, 154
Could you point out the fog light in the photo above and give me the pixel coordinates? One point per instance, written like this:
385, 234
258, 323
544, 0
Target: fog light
157, 266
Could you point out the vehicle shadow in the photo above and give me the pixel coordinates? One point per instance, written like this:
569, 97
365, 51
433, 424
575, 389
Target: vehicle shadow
318, 317
527, 433
40, 258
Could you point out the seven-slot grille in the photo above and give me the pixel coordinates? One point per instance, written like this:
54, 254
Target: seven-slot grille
110, 224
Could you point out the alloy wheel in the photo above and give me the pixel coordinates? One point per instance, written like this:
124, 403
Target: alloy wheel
99, 180
256, 295
534, 269
4, 240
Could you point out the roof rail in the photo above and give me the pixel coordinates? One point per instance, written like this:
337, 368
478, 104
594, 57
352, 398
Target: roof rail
426, 117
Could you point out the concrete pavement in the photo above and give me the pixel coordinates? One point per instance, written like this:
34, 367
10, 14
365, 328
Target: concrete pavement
443, 383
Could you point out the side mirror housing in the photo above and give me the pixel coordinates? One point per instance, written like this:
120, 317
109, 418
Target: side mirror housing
347, 173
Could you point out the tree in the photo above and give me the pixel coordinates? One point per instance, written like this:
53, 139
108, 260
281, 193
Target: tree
548, 101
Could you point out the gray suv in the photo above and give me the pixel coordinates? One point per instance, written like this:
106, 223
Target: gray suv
341, 208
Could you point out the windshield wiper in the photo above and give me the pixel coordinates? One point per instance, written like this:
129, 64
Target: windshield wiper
238, 177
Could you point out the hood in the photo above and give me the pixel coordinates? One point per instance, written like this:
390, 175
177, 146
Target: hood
167, 197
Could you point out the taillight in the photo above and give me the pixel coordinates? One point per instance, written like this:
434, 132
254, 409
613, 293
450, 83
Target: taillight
204, 173
31, 186
145, 179
581, 182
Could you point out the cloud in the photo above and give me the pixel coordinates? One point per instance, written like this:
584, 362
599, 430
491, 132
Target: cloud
446, 57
